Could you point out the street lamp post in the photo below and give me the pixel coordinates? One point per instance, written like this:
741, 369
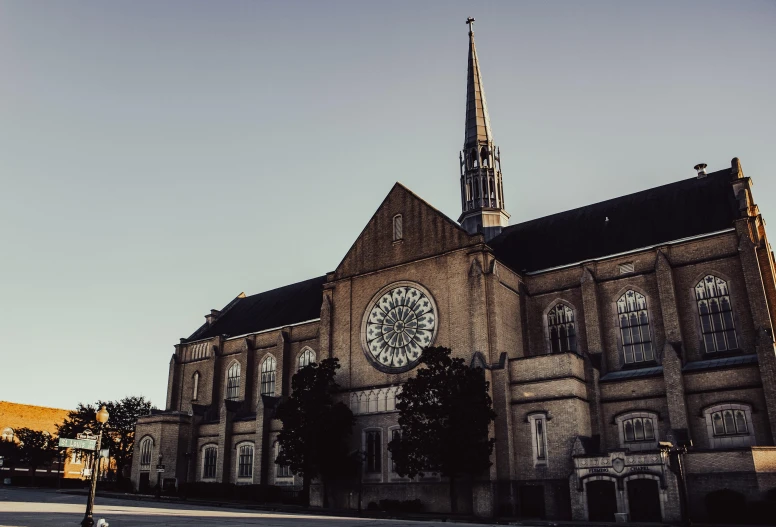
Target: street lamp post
102, 418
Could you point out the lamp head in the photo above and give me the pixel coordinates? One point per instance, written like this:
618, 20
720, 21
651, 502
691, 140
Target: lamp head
102, 415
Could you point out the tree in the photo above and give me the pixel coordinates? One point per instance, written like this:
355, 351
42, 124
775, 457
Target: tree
9, 451
35, 449
119, 432
314, 437
444, 414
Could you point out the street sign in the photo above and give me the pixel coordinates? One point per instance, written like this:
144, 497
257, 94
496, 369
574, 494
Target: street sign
86, 434
83, 444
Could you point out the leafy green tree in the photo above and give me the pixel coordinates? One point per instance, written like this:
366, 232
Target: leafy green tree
35, 449
119, 432
314, 438
444, 414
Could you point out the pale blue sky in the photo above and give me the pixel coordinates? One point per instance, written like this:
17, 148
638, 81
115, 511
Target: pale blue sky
158, 158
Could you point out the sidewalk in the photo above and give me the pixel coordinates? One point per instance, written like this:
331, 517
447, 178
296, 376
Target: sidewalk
439, 517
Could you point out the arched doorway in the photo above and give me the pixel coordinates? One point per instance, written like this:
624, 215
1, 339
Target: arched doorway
601, 500
644, 500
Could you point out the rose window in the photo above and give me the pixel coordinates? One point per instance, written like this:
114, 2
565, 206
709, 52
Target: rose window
399, 323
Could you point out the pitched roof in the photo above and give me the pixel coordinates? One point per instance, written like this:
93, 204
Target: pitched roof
271, 309
670, 212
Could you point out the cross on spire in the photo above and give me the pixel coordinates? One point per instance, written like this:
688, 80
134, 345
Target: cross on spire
470, 22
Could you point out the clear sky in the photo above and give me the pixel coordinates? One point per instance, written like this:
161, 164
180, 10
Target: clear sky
158, 158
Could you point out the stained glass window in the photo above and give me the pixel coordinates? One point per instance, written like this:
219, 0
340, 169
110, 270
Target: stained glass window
209, 463
245, 462
145, 453
634, 327
639, 429
268, 372
374, 451
729, 422
561, 329
306, 357
716, 313
233, 382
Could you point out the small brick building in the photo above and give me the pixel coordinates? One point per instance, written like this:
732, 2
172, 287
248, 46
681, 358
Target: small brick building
14, 416
603, 331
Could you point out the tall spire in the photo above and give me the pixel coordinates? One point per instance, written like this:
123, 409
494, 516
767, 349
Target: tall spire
477, 118
482, 192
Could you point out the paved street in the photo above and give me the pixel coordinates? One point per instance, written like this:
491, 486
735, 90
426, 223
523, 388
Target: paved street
46, 508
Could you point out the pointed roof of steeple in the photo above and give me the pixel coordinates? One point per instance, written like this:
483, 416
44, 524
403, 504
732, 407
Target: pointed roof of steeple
477, 118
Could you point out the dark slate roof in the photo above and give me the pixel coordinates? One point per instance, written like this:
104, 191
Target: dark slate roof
727, 362
670, 212
271, 309
633, 374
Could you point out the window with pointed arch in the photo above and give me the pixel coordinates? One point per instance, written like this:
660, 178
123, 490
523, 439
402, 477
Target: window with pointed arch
268, 373
561, 329
634, 327
145, 453
195, 387
729, 425
716, 314
306, 357
233, 382
398, 233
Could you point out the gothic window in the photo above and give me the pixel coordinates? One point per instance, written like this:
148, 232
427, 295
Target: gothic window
281, 471
729, 425
397, 228
561, 329
374, 451
145, 453
209, 457
7, 434
538, 424
195, 388
637, 430
484, 156
716, 314
395, 434
245, 461
634, 327
233, 382
268, 372
729, 422
306, 357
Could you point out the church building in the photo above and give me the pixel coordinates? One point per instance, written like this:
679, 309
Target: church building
610, 335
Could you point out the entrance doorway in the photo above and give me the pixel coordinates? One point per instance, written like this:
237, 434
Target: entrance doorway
601, 500
644, 500
145, 483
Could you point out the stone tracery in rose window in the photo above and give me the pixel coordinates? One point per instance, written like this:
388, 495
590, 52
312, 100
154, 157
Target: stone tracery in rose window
398, 326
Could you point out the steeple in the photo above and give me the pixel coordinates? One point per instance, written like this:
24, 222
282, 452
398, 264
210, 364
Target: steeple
482, 192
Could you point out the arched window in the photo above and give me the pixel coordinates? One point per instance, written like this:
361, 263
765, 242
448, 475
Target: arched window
638, 430
7, 434
145, 453
561, 329
306, 357
209, 459
729, 425
397, 228
716, 314
484, 156
634, 327
268, 369
233, 382
245, 460
195, 387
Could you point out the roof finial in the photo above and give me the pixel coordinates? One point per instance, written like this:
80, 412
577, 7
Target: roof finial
470, 21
